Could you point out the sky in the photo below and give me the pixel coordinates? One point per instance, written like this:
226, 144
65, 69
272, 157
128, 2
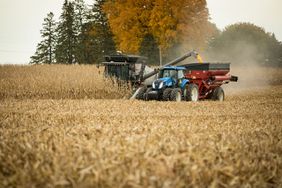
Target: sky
21, 21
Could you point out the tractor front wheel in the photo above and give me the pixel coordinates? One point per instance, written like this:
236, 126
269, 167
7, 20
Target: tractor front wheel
145, 96
141, 92
176, 95
166, 94
192, 92
218, 94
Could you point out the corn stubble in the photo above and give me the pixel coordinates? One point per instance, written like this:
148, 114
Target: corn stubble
47, 142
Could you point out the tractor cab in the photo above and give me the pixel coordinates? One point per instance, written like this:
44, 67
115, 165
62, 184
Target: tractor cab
169, 76
172, 72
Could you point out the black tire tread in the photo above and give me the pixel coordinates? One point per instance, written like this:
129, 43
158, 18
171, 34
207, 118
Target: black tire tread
173, 94
189, 89
216, 93
166, 94
140, 94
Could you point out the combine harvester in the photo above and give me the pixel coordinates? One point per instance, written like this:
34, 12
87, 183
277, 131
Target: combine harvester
189, 82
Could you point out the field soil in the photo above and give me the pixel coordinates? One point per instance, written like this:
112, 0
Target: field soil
79, 130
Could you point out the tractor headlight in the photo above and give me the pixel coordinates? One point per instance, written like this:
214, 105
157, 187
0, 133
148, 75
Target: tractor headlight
161, 85
154, 85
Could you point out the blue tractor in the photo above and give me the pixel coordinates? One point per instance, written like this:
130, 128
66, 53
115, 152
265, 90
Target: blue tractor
170, 85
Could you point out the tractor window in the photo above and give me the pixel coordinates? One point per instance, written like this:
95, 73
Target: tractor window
168, 73
180, 74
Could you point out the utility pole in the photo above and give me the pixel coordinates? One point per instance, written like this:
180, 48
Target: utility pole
161, 59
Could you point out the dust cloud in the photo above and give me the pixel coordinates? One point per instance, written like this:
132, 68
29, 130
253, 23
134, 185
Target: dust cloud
246, 62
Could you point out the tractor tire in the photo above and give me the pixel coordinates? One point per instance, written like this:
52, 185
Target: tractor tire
184, 97
175, 95
140, 94
218, 94
192, 92
166, 94
145, 96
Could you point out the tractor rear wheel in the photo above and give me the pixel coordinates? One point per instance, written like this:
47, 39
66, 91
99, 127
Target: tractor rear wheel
166, 94
192, 92
218, 94
140, 94
176, 95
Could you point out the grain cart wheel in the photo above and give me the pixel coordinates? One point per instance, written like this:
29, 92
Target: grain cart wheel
166, 94
218, 94
192, 92
175, 95
140, 94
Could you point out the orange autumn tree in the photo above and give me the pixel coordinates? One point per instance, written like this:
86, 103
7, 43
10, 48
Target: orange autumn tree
182, 22
128, 20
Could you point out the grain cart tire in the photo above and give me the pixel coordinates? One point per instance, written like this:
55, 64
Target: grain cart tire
192, 93
218, 94
166, 94
175, 95
140, 94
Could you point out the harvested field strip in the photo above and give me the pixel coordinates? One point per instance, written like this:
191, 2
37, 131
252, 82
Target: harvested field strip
58, 130
121, 143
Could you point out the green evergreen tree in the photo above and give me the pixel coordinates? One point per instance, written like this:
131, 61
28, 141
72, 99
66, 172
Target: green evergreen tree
45, 52
149, 48
82, 35
99, 40
81, 12
67, 36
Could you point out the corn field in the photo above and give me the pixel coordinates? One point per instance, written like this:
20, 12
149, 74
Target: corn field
66, 126
57, 82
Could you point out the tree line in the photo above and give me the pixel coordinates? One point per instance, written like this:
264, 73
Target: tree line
246, 43
146, 27
82, 35
153, 28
